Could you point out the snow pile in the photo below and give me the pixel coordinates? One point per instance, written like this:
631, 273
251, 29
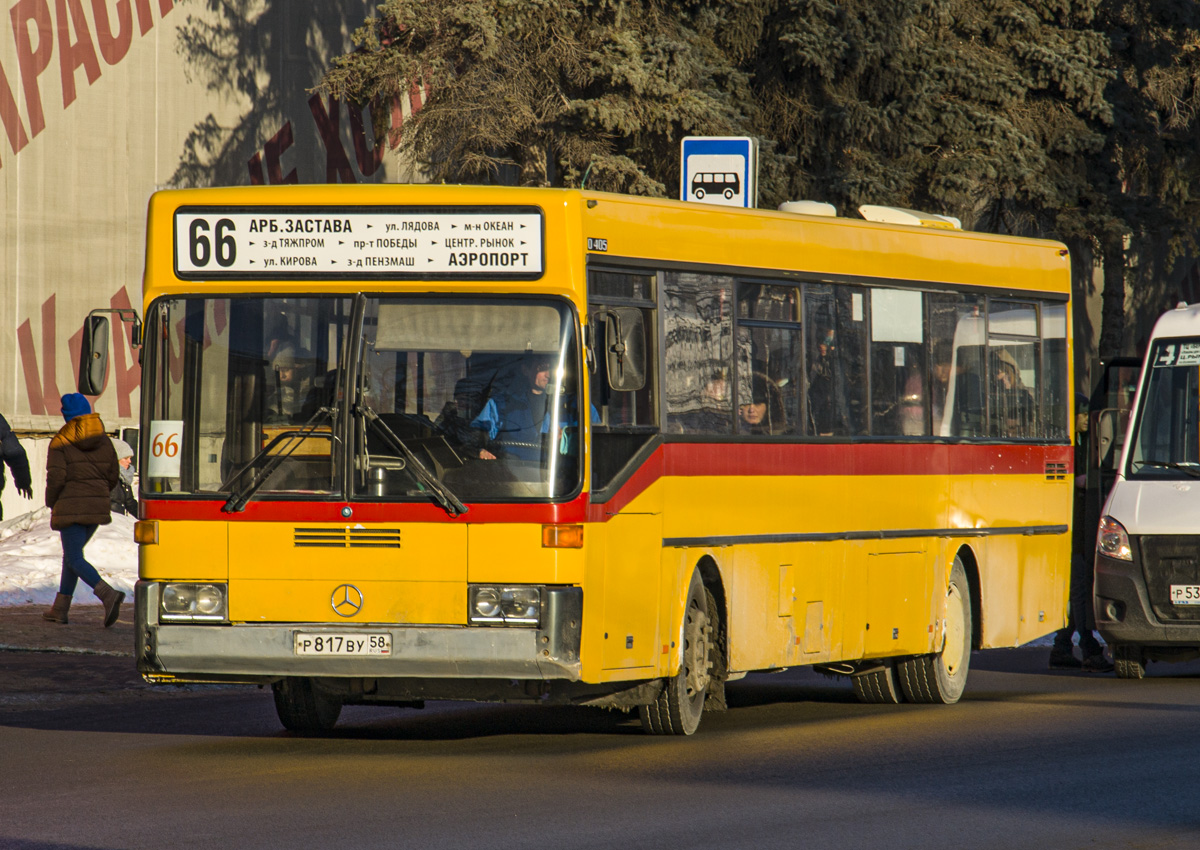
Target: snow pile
31, 559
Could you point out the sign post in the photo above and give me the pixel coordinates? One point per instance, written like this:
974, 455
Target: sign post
719, 170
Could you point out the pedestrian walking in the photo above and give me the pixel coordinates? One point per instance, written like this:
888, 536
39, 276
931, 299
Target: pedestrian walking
18, 462
121, 499
81, 471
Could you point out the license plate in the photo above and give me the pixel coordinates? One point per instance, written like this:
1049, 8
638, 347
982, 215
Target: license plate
1185, 594
343, 643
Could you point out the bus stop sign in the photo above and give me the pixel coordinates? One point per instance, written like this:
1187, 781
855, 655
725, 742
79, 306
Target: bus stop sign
719, 170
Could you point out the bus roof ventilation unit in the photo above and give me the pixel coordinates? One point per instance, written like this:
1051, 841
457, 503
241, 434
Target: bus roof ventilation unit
895, 215
808, 208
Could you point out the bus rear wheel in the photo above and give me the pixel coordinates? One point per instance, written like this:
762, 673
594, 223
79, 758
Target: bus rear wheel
879, 686
677, 709
942, 676
1129, 661
303, 708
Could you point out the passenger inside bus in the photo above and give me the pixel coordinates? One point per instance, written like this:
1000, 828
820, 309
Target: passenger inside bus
1012, 410
827, 388
762, 412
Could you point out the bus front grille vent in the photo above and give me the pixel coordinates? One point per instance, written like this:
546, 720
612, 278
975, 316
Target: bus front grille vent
1056, 471
348, 538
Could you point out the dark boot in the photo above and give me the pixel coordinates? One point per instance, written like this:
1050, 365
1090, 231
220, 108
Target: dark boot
57, 613
112, 600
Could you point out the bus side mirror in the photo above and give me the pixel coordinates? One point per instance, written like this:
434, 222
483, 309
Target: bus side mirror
93, 356
625, 349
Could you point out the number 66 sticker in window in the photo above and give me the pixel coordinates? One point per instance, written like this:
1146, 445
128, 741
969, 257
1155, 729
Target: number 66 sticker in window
165, 438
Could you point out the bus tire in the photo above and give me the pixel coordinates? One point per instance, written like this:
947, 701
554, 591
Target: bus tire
699, 193
1129, 661
303, 708
729, 194
941, 677
677, 710
880, 687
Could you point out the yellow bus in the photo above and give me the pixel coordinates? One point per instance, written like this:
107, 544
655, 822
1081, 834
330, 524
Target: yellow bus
403, 443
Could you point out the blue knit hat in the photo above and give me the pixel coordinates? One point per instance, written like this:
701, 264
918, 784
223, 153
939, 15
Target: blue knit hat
75, 404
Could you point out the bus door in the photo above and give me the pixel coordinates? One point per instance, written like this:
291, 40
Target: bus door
625, 436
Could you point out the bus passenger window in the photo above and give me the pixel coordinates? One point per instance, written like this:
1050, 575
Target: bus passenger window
699, 339
836, 334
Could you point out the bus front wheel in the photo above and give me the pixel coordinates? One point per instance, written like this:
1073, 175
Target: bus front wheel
699, 193
303, 708
677, 709
942, 676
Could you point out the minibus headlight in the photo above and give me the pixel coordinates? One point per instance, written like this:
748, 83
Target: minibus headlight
499, 605
192, 602
1112, 541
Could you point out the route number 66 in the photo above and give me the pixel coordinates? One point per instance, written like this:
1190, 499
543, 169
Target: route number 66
165, 445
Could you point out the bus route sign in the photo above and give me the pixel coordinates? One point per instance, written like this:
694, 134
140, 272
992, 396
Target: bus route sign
357, 242
719, 170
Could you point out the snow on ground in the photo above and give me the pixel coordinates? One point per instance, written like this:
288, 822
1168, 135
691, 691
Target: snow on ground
31, 559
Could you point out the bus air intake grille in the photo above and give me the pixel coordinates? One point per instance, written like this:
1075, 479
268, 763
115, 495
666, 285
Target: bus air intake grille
352, 538
1056, 471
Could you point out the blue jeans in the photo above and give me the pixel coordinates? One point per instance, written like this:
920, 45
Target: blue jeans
75, 566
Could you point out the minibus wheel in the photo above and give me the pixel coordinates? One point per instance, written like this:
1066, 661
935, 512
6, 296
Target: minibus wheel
677, 709
1129, 661
941, 677
879, 686
303, 708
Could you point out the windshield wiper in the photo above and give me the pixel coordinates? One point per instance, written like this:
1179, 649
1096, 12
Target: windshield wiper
1190, 469
440, 492
237, 500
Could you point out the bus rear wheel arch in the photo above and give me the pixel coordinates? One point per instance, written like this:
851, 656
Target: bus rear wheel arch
941, 677
678, 707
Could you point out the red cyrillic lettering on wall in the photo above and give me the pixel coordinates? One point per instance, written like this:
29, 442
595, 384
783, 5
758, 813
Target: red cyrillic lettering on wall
113, 46
337, 164
32, 61
397, 123
276, 145
72, 55
144, 19
13, 125
128, 378
165, 6
254, 166
41, 385
369, 158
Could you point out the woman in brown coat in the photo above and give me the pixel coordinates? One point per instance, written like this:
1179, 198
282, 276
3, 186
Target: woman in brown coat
81, 470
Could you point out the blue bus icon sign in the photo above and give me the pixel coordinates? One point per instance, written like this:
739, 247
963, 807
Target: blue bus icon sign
719, 170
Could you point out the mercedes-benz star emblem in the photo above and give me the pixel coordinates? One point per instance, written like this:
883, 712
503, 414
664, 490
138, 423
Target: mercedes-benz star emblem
347, 600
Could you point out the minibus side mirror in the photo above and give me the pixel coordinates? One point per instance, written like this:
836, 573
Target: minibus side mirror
93, 355
625, 348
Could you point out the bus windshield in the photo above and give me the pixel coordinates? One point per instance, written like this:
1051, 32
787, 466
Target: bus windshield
1166, 442
425, 399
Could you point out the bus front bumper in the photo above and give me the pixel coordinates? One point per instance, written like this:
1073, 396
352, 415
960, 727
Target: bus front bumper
264, 653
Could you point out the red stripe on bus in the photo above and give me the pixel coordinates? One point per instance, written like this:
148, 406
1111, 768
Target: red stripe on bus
671, 459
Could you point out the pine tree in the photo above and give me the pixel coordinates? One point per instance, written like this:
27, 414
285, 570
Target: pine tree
552, 92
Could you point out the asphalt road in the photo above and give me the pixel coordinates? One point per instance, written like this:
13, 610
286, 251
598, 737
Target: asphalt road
1027, 759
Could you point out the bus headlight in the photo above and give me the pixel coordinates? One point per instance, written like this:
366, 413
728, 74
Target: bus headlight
499, 605
192, 602
1112, 541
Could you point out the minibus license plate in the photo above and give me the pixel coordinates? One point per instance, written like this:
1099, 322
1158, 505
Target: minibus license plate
1185, 594
326, 643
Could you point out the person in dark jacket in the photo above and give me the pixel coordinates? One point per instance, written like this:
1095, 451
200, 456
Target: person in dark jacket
81, 470
18, 462
121, 499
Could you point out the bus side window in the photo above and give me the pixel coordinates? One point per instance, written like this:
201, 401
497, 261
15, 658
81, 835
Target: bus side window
699, 342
